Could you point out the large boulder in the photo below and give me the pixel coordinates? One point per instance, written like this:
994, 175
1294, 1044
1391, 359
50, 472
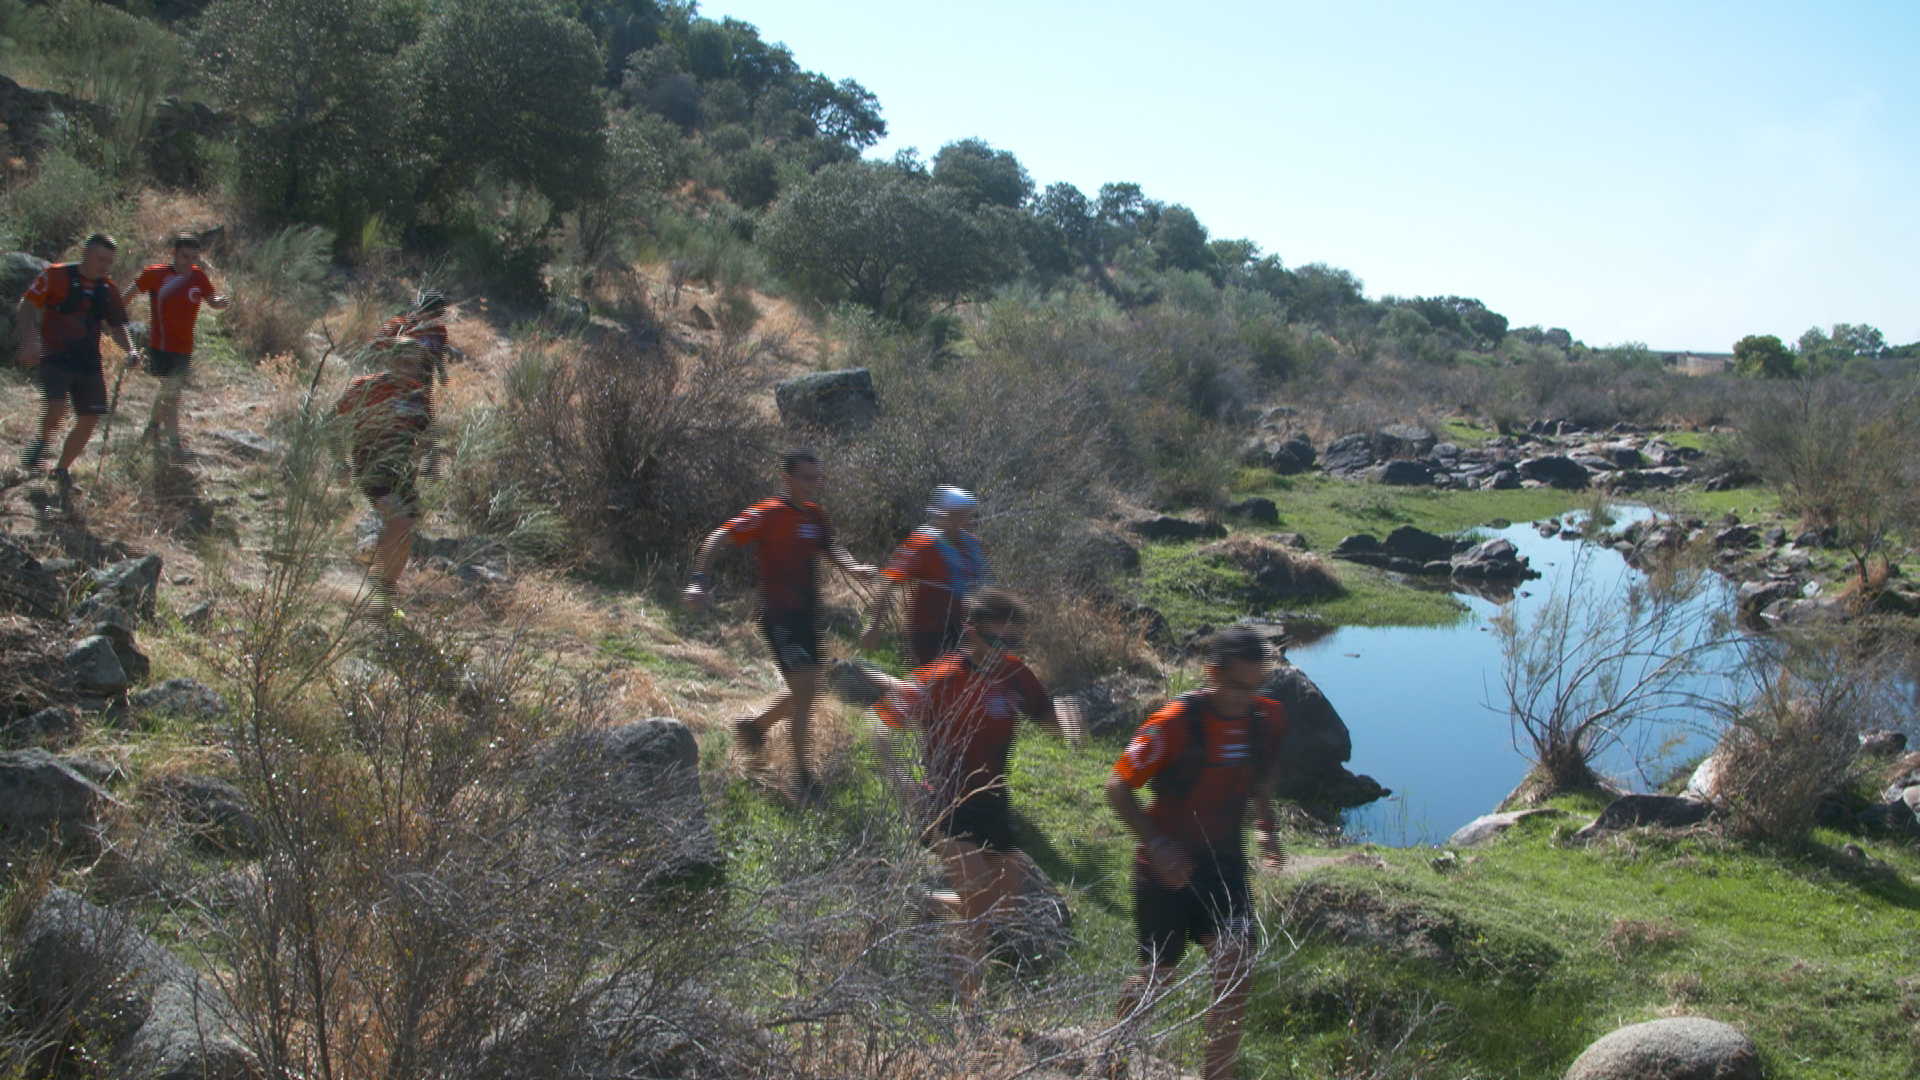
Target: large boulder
96, 667
131, 585
1402, 473
639, 784
838, 400
1418, 544
1680, 1048
1287, 453
1647, 811
1555, 470
1402, 441
42, 800
1491, 560
1316, 747
143, 1011
26, 587
1348, 455
183, 698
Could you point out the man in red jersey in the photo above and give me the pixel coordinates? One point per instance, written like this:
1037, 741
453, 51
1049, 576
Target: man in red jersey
76, 300
1207, 755
787, 534
426, 324
175, 290
387, 414
938, 567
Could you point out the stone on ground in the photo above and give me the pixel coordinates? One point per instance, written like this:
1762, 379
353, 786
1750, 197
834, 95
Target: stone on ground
42, 799
1680, 1048
838, 400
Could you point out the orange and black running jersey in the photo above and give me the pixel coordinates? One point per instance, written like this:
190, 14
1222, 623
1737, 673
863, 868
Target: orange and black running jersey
787, 540
70, 325
939, 569
967, 716
1205, 811
428, 330
173, 304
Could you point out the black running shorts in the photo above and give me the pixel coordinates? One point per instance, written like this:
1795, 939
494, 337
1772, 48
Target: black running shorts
985, 819
794, 638
164, 364
85, 387
1166, 921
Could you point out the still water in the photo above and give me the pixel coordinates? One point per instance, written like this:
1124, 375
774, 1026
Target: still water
1426, 707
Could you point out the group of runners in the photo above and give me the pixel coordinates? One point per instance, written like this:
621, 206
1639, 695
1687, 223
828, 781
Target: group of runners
69, 307
1207, 757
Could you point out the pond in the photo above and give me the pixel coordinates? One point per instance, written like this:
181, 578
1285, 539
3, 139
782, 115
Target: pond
1426, 709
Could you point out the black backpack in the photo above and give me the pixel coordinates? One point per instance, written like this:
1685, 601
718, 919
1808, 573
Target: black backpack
1183, 775
95, 298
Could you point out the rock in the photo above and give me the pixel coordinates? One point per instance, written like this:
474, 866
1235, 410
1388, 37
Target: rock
1503, 480
1643, 811
184, 698
1286, 454
217, 813
1100, 552
1488, 827
1491, 560
1810, 539
145, 1013
1418, 544
1258, 510
1775, 537
198, 615
1403, 440
1901, 775
1809, 612
99, 772
640, 781
1446, 451
1626, 457
1401, 473
55, 725
27, 587
1555, 470
838, 400
1680, 1048
1117, 703
96, 667
132, 584
1736, 536
1348, 455
1703, 784
1593, 463
1357, 544
1289, 539
17, 271
246, 444
117, 627
1883, 743
1317, 742
1896, 818
1167, 527
43, 799
1756, 596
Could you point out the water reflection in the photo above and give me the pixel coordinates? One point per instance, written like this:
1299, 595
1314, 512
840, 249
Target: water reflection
1418, 698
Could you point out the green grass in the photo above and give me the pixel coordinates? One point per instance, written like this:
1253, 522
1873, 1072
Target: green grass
1544, 945
1326, 510
1462, 432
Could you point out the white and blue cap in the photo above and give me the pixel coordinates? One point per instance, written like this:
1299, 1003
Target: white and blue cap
947, 499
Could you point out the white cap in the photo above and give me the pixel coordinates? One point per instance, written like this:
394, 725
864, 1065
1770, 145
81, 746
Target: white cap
947, 499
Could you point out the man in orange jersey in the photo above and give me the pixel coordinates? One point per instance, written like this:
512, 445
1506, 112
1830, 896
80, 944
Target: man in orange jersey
76, 300
965, 705
1207, 755
387, 415
426, 324
175, 290
937, 568
788, 534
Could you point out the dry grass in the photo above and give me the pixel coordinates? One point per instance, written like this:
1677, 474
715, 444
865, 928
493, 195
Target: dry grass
1631, 938
1277, 570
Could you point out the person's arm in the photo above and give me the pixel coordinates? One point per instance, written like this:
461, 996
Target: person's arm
26, 317
216, 301
1265, 838
844, 559
119, 334
877, 609
1169, 863
698, 594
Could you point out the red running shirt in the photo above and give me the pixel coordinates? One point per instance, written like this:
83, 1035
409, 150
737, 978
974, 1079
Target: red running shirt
173, 304
1208, 818
967, 717
428, 330
74, 333
938, 577
786, 540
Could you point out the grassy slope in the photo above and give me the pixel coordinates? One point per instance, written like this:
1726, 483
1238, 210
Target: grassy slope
1550, 944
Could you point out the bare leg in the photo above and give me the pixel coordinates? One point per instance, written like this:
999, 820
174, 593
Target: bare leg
982, 882
77, 439
396, 543
53, 414
165, 419
801, 684
1231, 974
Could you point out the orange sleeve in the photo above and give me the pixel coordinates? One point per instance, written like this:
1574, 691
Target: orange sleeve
899, 704
42, 292
745, 528
899, 569
1147, 753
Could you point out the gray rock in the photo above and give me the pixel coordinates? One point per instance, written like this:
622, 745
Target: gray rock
1488, 827
132, 584
1681, 1048
1261, 511
55, 725
1313, 753
1810, 539
1809, 612
246, 444
95, 667
1736, 536
147, 1014
1289, 539
17, 271
1357, 544
1491, 560
217, 813
1775, 537
1593, 463
1644, 811
1503, 480
1895, 817
1167, 527
1348, 455
838, 400
1626, 457
1555, 470
110, 622
1883, 743
641, 780
1418, 544
1290, 453
1401, 473
1756, 596
42, 799
27, 587
1403, 440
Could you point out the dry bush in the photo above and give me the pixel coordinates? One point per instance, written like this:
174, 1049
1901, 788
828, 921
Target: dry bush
1631, 938
1277, 571
641, 452
278, 289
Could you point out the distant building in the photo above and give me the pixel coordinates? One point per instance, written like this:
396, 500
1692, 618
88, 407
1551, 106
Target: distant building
1698, 363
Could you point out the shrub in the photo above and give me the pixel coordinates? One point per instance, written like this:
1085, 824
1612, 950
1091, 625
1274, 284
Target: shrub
59, 206
279, 289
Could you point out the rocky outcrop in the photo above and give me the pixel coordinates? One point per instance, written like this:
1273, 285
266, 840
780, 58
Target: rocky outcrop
1348, 455
1316, 748
836, 400
1555, 470
133, 585
1680, 1048
638, 785
1408, 550
43, 800
1491, 560
26, 587
1647, 811
143, 1011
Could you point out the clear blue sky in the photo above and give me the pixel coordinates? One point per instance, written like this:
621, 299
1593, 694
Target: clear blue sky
1679, 174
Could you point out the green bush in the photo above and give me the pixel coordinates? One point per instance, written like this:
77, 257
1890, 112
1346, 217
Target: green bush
59, 206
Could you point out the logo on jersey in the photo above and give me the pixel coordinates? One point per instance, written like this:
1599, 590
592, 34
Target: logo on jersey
809, 532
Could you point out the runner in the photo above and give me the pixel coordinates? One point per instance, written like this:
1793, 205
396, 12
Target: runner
388, 414
1206, 755
426, 324
75, 301
938, 567
964, 705
174, 291
787, 534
